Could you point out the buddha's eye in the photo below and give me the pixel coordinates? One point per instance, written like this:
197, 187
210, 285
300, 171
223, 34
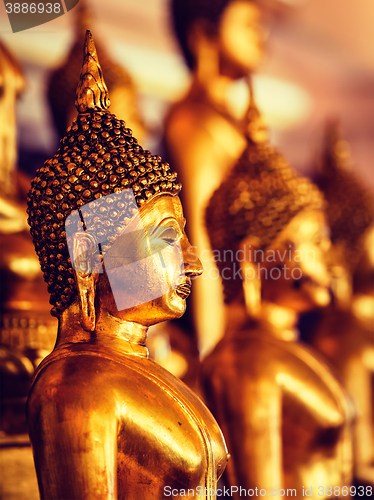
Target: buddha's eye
169, 235
290, 245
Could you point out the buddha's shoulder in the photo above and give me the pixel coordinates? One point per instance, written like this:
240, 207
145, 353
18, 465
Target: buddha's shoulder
253, 352
75, 369
241, 344
82, 372
197, 118
69, 365
102, 380
188, 110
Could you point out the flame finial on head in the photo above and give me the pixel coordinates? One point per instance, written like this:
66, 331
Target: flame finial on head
92, 92
98, 157
350, 204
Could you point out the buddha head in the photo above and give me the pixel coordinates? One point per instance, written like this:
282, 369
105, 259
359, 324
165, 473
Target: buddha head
106, 219
62, 83
268, 233
350, 214
227, 33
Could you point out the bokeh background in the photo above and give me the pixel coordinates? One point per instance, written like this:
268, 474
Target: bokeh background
320, 65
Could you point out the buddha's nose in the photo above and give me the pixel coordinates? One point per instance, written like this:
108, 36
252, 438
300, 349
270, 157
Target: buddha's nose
191, 261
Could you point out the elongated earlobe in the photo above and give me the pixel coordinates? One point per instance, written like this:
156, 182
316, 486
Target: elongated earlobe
251, 289
251, 278
84, 248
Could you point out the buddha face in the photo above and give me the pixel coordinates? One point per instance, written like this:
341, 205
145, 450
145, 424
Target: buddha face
241, 38
364, 271
150, 272
295, 274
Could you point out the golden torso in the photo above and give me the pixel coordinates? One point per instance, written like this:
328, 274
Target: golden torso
346, 338
203, 144
110, 424
284, 415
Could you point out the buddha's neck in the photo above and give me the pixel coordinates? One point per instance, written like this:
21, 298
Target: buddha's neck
120, 335
275, 320
279, 321
216, 91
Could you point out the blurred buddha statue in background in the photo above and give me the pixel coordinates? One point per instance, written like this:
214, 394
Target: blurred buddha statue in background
285, 417
63, 81
345, 333
25, 320
222, 41
106, 422
12, 83
175, 350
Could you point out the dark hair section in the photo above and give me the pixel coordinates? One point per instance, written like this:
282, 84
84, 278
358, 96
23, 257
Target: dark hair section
186, 12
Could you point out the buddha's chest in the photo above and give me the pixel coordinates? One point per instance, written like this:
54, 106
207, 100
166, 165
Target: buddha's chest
166, 440
285, 386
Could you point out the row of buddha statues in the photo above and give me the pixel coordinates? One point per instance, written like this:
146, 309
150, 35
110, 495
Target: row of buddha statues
123, 407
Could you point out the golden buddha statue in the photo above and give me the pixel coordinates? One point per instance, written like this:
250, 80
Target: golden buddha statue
106, 421
284, 415
25, 319
12, 83
63, 82
345, 333
25, 322
222, 42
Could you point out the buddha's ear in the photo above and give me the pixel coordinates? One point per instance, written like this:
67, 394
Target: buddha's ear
84, 247
251, 276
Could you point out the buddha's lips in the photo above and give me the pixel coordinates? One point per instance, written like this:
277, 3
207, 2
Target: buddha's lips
184, 288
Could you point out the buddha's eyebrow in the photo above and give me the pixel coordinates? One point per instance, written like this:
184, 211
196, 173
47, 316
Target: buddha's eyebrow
173, 222
181, 222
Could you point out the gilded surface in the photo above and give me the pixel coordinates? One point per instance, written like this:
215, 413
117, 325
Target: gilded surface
222, 42
25, 323
105, 421
345, 334
285, 416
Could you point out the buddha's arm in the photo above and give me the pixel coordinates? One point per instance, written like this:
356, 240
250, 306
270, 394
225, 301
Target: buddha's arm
73, 431
359, 378
260, 459
354, 357
249, 412
316, 389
